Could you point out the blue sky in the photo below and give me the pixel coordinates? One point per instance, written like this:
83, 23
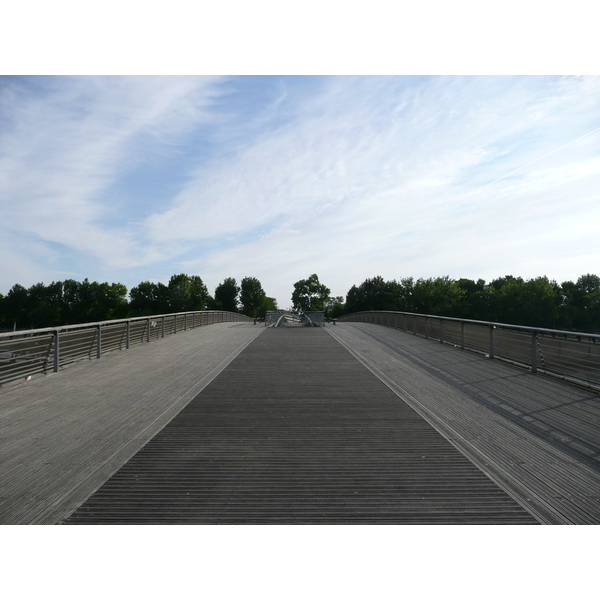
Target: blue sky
138, 178
133, 178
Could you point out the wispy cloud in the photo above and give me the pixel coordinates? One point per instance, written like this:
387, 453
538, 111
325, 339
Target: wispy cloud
282, 177
66, 141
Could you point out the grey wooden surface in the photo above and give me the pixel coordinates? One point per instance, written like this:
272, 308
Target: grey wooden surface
296, 431
63, 435
538, 438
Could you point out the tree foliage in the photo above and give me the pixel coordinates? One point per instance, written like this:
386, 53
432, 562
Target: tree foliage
226, 295
64, 302
334, 307
537, 302
69, 302
310, 294
148, 298
252, 297
186, 293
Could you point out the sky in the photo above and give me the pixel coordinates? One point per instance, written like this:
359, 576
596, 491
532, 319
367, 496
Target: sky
140, 140
134, 178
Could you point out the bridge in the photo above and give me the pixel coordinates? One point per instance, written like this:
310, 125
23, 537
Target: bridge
380, 418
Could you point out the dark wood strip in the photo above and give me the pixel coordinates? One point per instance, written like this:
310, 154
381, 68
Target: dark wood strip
296, 430
537, 437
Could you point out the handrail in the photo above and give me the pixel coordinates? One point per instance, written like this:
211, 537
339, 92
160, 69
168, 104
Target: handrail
569, 355
316, 317
113, 321
273, 318
29, 352
460, 320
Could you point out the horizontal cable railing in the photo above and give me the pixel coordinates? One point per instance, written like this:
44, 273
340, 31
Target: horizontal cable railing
566, 354
31, 352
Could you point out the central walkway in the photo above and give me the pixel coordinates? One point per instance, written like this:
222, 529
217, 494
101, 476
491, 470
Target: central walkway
297, 430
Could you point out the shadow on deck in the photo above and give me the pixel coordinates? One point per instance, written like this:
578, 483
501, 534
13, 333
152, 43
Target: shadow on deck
246, 424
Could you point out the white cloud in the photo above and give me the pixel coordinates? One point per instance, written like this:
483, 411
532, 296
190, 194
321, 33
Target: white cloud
345, 177
65, 141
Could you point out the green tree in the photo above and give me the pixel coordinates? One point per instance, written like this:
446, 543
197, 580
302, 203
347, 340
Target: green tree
586, 300
226, 295
45, 304
145, 299
198, 293
334, 307
354, 300
211, 304
16, 306
377, 294
533, 303
309, 294
2, 311
567, 311
110, 301
70, 302
437, 296
252, 297
475, 300
186, 293
268, 304
179, 290
406, 289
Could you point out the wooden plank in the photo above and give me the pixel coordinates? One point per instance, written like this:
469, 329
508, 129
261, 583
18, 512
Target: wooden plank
538, 438
63, 435
296, 430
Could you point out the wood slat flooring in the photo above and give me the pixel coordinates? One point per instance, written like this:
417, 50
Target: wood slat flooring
296, 431
63, 435
537, 437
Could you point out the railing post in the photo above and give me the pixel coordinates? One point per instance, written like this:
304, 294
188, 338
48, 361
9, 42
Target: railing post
462, 335
414, 324
185, 322
99, 346
441, 331
127, 333
426, 328
491, 342
56, 351
175, 324
534, 352
163, 326
148, 331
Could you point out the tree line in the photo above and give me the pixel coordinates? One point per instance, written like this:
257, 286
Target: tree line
537, 302
70, 302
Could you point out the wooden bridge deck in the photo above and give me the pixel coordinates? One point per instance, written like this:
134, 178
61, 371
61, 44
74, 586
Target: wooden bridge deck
218, 425
63, 435
537, 437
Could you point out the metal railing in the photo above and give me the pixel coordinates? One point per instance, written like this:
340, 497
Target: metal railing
31, 352
566, 354
271, 317
315, 318
276, 317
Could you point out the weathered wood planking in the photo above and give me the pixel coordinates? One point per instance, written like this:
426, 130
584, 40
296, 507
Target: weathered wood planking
295, 430
63, 435
537, 437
